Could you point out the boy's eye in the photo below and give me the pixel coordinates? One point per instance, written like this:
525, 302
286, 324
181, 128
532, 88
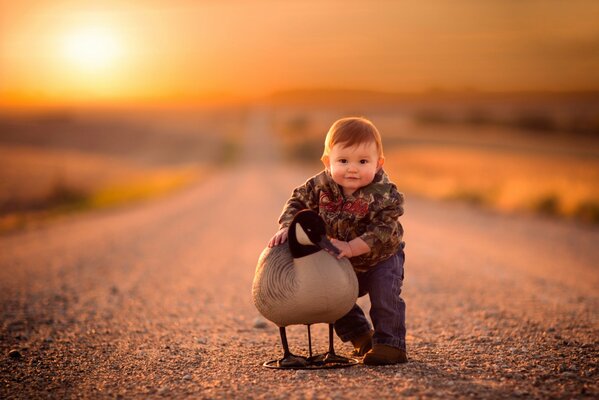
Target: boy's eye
343, 161
363, 161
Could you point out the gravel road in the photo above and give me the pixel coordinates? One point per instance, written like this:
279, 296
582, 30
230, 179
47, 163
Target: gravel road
154, 301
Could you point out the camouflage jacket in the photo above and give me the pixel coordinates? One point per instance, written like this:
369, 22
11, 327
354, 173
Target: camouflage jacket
371, 213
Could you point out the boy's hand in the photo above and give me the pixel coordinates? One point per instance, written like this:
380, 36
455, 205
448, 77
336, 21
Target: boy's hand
344, 248
279, 238
353, 248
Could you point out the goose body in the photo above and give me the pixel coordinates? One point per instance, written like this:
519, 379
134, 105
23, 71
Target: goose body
316, 288
300, 282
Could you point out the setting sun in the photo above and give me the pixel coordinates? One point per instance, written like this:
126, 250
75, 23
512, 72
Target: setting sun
92, 48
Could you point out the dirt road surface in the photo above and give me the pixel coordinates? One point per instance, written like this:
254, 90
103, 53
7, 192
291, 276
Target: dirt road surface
154, 301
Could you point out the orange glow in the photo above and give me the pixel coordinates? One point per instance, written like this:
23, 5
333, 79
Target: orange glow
91, 48
68, 51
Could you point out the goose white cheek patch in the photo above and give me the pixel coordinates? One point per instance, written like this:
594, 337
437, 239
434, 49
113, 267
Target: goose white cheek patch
301, 236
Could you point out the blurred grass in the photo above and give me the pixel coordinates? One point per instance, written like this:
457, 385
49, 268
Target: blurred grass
528, 119
548, 185
65, 198
56, 164
154, 185
230, 152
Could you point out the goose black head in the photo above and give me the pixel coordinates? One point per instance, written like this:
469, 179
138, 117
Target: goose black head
308, 235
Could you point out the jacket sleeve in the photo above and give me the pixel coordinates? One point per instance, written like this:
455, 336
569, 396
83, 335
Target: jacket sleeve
384, 230
303, 197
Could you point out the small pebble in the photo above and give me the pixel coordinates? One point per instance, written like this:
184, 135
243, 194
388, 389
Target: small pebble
162, 390
187, 377
15, 354
562, 368
201, 340
260, 323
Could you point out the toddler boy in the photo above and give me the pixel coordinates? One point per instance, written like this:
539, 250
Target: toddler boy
360, 207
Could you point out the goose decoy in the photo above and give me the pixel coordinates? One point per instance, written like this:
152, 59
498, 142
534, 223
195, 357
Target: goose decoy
299, 282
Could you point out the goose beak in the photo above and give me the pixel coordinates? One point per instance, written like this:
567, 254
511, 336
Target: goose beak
326, 244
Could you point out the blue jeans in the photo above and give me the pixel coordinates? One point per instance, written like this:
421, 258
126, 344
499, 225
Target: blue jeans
388, 310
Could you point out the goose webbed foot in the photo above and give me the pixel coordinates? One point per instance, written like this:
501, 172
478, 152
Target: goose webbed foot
290, 360
328, 358
293, 361
317, 359
332, 358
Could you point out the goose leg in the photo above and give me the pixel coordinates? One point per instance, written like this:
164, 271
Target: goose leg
289, 360
314, 360
331, 357
309, 342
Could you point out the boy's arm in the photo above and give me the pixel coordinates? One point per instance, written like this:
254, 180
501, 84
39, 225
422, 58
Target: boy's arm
385, 227
302, 197
384, 224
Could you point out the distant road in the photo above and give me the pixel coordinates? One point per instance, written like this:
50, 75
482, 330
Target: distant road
154, 300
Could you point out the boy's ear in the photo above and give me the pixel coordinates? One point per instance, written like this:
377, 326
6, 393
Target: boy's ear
326, 161
380, 163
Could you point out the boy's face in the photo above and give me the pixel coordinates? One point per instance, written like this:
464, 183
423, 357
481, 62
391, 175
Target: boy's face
353, 167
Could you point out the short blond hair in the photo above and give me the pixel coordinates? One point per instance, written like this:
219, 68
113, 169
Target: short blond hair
352, 131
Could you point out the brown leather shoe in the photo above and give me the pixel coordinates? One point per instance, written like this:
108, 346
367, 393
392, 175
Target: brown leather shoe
381, 354
362, 344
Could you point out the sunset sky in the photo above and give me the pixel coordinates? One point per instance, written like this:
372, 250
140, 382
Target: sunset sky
63, 52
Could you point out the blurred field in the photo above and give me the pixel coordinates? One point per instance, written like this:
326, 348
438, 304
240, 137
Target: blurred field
503, 164
540, 155
63, 162
558, 185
